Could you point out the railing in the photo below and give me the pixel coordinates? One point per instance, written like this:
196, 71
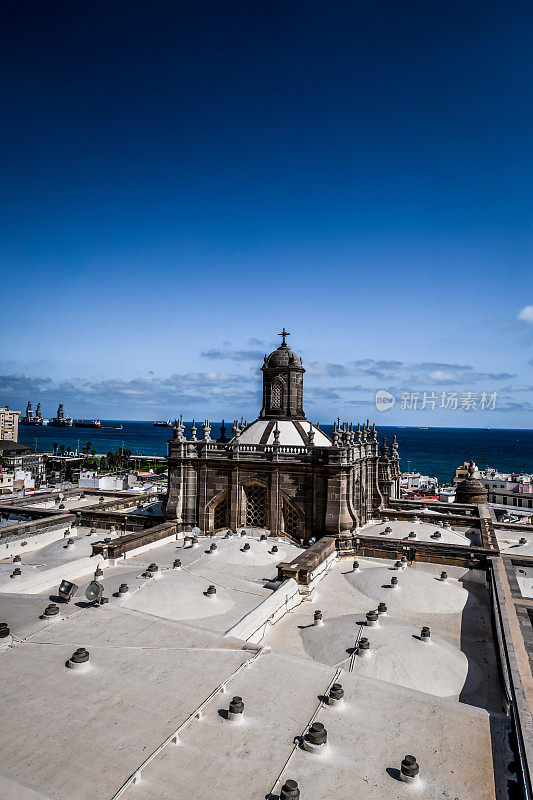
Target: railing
508, 682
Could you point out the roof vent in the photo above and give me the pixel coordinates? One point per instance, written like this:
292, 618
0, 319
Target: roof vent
336, 695
4, 630
274, 549
409, 771
177, 563
98, 572
243, 533
236, 709
79, 659
123, 590
194, 542
263, 537
316, 738
397, 565
372, 619
92, 532
17, 559
152, 568
213, 548
364, 647
355, 566
382, 608
289, 791
187, 541
444, 576
425, 635
436, 535
318, 618
211, 591
394, 582
523, 540
51, 611
246, 547
16, 572
412, 534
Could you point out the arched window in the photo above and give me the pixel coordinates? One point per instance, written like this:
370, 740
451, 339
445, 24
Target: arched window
292, 521
276, 394
256, 505
221, 514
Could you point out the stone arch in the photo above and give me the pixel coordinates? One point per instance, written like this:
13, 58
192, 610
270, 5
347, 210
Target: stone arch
256, 505
293, 519
217, 511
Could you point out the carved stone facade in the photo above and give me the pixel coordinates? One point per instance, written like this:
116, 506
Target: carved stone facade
280, 473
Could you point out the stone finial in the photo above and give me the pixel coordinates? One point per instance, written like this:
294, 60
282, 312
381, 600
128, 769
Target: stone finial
222, 438
277, 434
193, 432
206, 428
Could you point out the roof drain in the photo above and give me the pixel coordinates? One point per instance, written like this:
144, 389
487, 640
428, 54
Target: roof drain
409, 771
236, 710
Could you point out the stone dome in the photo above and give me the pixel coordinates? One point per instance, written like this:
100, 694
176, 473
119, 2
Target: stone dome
283, 357
471, 490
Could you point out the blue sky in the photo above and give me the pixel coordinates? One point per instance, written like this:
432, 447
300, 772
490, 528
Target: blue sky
180, 181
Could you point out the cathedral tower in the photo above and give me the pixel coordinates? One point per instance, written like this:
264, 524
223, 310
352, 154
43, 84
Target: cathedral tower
282, 384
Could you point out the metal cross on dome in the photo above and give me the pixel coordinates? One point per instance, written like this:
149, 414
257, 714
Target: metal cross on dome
284, 333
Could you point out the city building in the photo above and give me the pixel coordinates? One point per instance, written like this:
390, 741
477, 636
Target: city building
281, 472
17, 456
9, 424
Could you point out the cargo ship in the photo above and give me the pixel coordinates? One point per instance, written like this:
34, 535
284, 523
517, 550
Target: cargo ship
163, 424
95, 423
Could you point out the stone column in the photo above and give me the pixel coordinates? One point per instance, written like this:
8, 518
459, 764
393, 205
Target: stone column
275, 504
234, 499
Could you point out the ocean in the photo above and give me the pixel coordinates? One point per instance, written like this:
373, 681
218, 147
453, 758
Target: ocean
433, 451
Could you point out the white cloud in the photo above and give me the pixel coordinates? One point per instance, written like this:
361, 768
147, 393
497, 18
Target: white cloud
526, 314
